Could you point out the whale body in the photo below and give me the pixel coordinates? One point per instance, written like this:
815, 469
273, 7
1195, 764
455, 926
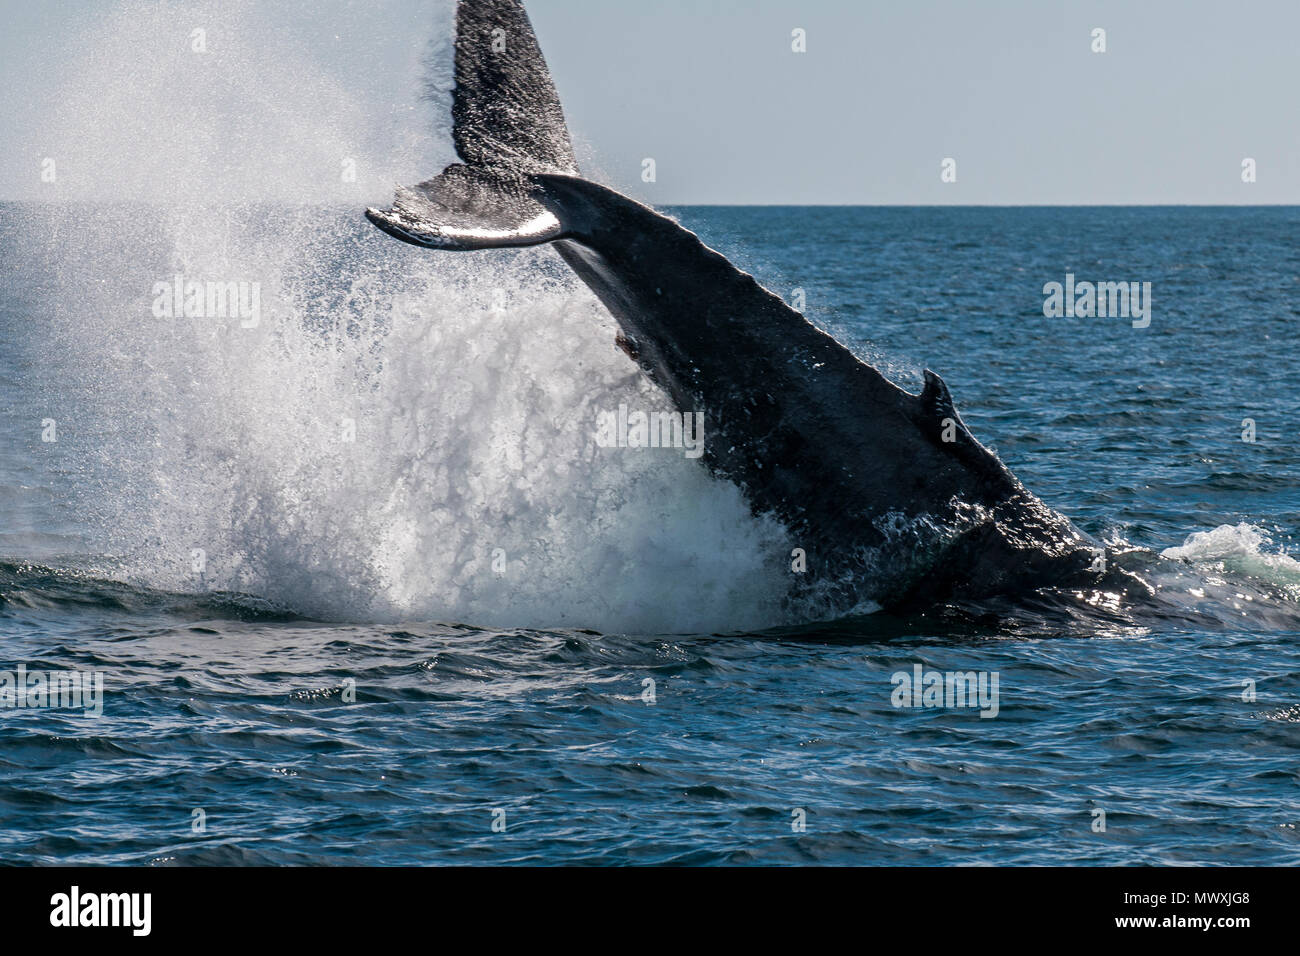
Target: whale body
888, 495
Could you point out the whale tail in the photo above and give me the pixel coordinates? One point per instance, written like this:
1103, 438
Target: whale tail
507, 126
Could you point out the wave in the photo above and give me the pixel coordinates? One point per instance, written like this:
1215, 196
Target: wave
1240, 549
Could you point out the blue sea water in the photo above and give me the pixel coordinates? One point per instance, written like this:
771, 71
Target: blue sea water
277, 544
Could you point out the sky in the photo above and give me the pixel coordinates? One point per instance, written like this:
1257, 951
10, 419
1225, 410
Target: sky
711, 90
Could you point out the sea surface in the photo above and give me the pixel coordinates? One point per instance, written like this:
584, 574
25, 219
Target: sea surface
362, 589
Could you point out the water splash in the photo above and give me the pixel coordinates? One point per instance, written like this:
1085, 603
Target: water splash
397, 434
1240, 549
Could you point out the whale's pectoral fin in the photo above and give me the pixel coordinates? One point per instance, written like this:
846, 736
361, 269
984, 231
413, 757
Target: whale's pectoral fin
468, 207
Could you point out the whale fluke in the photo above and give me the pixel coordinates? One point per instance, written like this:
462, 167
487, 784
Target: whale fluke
504, 108
466, 208
507, 125
888, 494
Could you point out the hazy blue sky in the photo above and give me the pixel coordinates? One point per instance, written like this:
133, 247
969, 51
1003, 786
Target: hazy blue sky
711, 90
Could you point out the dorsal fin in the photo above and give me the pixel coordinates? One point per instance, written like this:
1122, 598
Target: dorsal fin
938, 410
936, 398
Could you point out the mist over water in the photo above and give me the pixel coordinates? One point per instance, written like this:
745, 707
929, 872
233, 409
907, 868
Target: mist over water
398, 434
240, 101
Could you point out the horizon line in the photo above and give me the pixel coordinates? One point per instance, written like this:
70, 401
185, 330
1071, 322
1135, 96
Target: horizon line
734, 205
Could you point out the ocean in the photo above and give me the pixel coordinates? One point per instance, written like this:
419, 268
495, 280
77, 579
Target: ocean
361, 588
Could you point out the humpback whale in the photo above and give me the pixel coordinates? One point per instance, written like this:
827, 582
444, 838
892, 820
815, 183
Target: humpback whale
890, 497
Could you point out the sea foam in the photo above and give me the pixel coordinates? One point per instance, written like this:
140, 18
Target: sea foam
401, 434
